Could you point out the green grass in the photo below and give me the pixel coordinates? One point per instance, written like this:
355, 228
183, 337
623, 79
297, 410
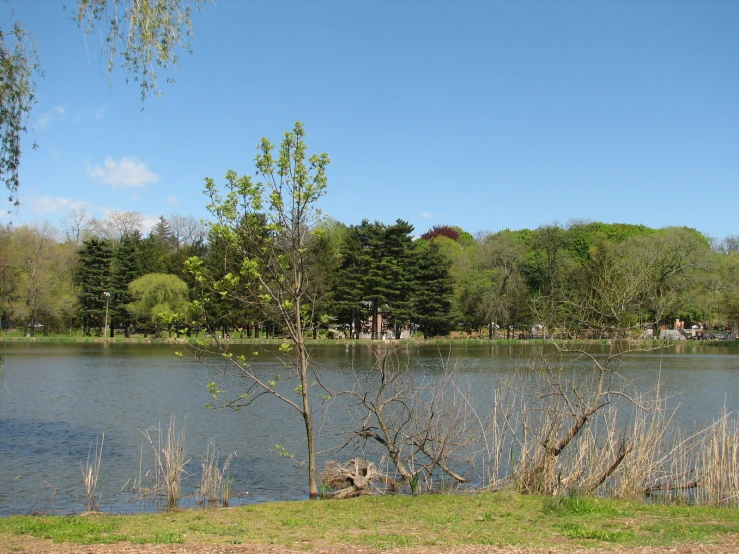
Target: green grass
403, 521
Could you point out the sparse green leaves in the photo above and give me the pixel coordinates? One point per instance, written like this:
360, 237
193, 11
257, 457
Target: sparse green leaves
145, 36
18, 70
285, 347
214, 391
282, 451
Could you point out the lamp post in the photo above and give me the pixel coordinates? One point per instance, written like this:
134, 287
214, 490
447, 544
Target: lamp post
107, 299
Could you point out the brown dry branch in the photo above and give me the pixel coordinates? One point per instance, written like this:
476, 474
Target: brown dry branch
426, 426
567, 431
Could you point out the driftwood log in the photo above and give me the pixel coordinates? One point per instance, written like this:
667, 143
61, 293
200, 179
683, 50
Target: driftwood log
357, 477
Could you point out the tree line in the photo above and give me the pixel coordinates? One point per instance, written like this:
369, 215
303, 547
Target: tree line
372, 279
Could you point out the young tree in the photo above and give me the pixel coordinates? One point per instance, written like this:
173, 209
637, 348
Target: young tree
272, 256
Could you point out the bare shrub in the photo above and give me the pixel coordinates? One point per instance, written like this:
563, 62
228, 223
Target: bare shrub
425, 425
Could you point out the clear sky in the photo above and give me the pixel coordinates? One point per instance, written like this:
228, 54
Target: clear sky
483, 114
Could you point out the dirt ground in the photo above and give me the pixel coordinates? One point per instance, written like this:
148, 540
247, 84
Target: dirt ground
31, 545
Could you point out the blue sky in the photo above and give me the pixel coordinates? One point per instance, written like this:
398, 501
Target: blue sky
483, 114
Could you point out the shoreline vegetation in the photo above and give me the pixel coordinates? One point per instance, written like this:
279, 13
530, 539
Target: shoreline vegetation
364, 342
430, 521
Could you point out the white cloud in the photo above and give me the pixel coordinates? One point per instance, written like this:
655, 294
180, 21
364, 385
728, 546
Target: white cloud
51, 204
148, 223
57, 113
173, 201
427, 215
126, 172
86, 114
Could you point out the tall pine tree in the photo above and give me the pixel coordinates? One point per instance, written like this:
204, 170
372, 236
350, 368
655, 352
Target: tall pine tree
92, 277
125, 270
432, 297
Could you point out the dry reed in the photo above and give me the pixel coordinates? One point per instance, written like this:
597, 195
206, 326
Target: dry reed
91, 472
170, 456
215, 484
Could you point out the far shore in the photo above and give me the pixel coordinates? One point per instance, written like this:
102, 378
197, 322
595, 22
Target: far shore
323, 341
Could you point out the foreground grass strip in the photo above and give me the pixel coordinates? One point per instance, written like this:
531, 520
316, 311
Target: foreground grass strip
504, 519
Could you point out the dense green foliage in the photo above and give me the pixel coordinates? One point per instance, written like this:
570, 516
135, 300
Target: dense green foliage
585, 276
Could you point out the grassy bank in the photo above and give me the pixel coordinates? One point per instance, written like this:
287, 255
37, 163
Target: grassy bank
402, 521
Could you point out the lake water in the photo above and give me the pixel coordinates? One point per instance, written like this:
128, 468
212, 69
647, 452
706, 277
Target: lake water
56, 400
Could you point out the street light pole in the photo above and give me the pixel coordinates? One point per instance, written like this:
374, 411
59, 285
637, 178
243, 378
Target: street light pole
107, 299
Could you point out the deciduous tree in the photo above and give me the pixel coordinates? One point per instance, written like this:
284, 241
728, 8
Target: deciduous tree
159, 299
274, 259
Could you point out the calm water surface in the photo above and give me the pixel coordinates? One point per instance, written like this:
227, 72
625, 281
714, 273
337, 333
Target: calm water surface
57, 400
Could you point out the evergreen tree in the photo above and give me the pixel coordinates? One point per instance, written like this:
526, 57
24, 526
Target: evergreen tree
92, 276
376, 274
397, 267
347, 286
157, 251
432, 297
125, 270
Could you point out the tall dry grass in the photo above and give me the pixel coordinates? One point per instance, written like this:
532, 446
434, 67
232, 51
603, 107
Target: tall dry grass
170, 456
91, 472
629, 446
215, 483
